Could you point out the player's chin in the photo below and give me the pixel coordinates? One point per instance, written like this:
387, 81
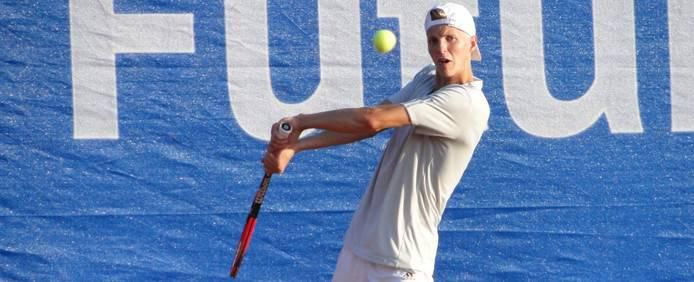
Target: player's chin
445, 70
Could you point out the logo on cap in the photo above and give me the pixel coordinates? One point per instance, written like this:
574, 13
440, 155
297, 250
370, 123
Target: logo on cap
437, 14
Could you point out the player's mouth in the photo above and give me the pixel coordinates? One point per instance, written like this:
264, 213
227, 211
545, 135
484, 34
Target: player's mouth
443, 61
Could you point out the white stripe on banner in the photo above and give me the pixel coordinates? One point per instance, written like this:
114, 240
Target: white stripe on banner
97, 34
253, 103
614, 90
681, 18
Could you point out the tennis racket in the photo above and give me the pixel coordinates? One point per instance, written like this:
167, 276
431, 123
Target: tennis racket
248, 229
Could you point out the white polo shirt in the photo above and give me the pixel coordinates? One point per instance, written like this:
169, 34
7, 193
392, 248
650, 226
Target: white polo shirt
396, 223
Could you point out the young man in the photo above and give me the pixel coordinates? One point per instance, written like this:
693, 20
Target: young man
438, 119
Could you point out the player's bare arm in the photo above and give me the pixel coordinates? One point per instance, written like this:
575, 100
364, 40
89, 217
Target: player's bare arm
367, 120
339, 127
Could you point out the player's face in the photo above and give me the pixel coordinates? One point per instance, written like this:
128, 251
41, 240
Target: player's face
450, 50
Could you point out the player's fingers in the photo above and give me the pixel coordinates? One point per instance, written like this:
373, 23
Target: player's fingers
274, 128
270, 163
278, 144
278, 140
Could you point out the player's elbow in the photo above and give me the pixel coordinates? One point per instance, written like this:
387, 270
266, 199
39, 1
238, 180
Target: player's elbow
371, 121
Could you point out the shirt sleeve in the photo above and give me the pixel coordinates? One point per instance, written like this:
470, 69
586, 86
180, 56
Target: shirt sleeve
401, 96
451, 112
409, 91
404, 94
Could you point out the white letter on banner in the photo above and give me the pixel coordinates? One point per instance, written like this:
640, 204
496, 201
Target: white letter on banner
96, 35
681, 18
413, 42
253, 102
613, 93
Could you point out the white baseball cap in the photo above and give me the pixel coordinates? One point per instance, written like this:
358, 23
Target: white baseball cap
454, 15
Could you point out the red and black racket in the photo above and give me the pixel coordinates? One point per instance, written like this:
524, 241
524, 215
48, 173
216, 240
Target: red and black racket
247, 233
250, 226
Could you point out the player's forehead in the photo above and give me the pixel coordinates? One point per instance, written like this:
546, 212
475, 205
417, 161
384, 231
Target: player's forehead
445, 30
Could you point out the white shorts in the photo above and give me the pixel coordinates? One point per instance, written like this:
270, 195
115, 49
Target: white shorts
351, 268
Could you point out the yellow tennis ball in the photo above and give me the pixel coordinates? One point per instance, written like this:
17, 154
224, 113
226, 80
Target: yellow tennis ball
384, 40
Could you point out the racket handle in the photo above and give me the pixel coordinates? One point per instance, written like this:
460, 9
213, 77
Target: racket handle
285, 129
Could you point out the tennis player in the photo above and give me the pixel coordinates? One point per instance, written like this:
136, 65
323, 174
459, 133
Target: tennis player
438, 119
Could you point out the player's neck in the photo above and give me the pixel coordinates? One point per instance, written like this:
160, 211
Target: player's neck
464, 78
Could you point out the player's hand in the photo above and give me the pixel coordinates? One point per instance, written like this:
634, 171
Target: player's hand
280, 140
277, 161
281, 148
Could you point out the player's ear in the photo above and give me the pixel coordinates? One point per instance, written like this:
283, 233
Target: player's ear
473, 43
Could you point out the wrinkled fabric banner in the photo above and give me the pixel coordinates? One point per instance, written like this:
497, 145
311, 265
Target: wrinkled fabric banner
131, 133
